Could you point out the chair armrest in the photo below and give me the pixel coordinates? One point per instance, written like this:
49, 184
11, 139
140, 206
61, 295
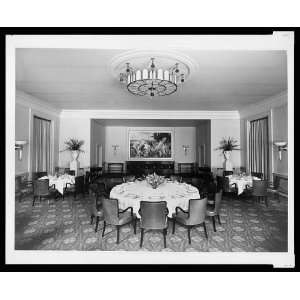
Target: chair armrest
233, 185
123, 210
52, 186
167, 211
179, 208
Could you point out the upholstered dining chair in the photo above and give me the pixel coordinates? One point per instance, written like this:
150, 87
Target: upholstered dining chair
194, 216
77, 188
154, 216
41, 190
259, 190
257, 174
97, 205
70, 172
213, 210
37, 175
176, 178
117, 217
226, 173
129, 178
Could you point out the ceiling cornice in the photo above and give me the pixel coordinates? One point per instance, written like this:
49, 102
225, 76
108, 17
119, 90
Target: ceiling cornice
27, 100
150, 114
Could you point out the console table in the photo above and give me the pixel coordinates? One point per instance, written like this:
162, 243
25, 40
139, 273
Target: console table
138, 168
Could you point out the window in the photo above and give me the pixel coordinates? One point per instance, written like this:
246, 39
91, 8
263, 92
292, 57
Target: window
41, 145
259, 147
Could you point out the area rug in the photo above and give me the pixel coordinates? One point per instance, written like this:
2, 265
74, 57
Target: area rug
246, 226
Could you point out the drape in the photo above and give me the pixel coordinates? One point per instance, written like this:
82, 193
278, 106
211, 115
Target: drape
41, 145
259, 147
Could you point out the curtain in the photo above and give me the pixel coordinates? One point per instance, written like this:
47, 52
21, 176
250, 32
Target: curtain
259, 147
41, 145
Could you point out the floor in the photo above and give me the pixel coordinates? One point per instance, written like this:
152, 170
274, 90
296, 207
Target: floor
246, 226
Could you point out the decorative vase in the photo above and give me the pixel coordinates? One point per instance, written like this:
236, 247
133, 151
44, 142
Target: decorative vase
75, 154
227, 163
74, 164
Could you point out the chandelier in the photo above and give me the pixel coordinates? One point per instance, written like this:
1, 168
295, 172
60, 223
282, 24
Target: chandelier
152, 81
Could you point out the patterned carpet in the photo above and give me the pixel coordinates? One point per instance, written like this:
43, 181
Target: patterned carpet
247, 226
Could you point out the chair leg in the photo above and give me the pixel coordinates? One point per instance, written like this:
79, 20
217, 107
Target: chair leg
92, 219
134, 228
189, 234
118, 234
173, 226
165, 234
214, 223
33, 200
219, 219
97, 223
205, 231
142, 236
266, 201
104, 225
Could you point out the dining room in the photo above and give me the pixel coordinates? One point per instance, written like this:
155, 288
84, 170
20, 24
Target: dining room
153, 150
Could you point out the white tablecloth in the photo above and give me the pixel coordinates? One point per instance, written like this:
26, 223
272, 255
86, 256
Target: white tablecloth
175, 194
241, 181
60, 182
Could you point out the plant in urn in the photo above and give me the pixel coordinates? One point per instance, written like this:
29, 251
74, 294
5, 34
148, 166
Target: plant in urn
227, 146
74, 146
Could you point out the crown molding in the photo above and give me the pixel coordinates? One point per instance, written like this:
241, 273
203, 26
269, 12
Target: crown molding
265, 105
27, 100
150, 114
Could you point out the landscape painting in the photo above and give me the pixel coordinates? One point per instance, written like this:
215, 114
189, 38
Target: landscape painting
146, 144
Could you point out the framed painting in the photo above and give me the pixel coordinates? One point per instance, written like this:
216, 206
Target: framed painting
150, 145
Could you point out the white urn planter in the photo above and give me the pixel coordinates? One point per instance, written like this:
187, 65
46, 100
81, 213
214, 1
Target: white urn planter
227, 163
74, 164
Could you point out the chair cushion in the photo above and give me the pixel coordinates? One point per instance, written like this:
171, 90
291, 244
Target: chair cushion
125, 217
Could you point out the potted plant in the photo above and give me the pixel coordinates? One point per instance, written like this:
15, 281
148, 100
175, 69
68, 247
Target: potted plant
74, 145
227, 146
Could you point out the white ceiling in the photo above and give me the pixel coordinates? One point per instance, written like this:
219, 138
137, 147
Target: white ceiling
82, 79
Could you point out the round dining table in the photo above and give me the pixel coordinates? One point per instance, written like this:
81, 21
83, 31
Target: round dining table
174, 193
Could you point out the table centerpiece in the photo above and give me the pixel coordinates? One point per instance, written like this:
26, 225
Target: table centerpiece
155, 180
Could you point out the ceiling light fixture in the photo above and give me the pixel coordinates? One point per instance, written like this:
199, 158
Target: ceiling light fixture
152, 81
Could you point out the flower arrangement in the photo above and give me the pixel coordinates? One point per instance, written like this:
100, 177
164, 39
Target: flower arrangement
155, 180
229, 144
73, 145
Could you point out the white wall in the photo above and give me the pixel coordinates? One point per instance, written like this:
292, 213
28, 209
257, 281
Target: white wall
280, 133
26, 108
276, 109
97, 138
219, 130
79, 128
118, 135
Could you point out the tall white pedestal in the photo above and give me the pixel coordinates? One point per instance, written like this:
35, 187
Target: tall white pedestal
74, 166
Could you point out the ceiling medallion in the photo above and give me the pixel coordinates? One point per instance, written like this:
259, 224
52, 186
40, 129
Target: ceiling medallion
158, 76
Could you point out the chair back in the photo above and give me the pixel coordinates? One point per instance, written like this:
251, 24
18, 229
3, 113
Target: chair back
129, 178
197, 211
260, 188
37, 175
154, 215
176, 178
257, 174
79, 184
110, 211
70, 172
226, 173
41, 187
220, 183
18, 183
218, 199
226, 186
115, 167
87, 178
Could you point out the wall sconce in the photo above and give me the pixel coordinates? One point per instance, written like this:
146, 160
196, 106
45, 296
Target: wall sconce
19, 146
282, 146
185, 148
115, 147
